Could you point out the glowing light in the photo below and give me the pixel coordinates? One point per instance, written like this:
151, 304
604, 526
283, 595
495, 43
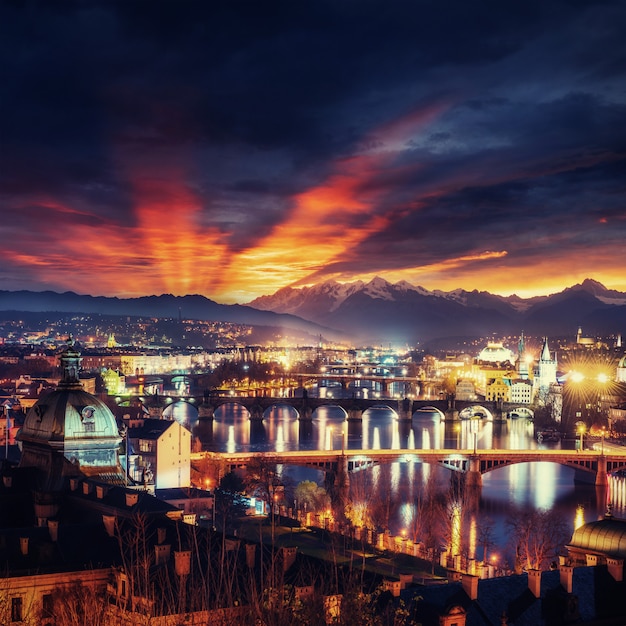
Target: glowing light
579, 517
576, 377
455, 530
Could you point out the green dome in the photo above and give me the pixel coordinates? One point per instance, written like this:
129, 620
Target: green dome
70, 429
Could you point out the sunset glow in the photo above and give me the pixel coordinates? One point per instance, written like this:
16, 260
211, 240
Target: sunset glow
237, 163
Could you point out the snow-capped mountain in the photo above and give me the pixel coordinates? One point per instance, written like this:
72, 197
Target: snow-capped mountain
382, 310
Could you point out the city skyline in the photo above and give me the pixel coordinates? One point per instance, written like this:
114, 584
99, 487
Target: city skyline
231, 151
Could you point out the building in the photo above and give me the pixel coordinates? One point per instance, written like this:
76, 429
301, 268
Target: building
160, 454
602, 542
75, 538
521, 391
620, 374
495, 352
466, 390
70, 432
544, 375
498, 389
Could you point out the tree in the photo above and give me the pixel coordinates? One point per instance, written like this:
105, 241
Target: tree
311, 496
537, 536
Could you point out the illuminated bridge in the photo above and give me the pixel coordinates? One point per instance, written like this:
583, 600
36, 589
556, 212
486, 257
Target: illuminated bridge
304, 406
592, 463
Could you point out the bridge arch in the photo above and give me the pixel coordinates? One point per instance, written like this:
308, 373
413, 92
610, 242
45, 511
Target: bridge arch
291, 410
382, 406
183, 411
429, 412
523, 412
475, 411
317, 411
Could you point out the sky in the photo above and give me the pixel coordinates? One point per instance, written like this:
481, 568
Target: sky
230, 149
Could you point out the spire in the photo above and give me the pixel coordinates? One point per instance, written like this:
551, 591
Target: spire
545, 351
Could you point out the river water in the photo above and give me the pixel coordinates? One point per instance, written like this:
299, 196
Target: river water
541, 485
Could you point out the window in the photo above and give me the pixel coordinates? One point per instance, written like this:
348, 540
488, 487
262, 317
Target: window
47, 609
16, 609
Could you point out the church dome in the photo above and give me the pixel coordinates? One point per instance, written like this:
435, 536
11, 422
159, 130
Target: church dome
70, 427
606, 536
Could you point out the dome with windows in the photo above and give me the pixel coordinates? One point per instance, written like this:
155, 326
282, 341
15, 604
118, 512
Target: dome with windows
69, 431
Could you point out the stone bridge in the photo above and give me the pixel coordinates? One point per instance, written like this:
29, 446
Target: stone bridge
354, 408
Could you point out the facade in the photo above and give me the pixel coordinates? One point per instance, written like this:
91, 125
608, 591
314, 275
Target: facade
160, 454
498, 389
521, 391
466, 390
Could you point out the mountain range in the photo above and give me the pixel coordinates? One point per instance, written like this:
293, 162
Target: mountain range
402, 312
369, 313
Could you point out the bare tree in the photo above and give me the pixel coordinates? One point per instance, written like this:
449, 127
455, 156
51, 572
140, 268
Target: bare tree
537, 536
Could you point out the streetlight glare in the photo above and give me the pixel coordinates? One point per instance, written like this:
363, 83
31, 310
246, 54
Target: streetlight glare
577, 377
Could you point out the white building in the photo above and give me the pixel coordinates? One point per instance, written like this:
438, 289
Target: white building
521, 392
160, 454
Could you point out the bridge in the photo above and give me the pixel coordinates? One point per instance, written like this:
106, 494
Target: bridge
304, 406
472, 463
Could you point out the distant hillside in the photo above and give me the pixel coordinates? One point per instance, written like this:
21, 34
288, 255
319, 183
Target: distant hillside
401, 312
164, 306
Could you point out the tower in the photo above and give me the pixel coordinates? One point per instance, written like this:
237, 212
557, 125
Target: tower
544, 374
522, 364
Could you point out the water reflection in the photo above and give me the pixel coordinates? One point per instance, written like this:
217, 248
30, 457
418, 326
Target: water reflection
539, 485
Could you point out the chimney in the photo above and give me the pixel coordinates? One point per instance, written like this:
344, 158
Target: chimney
53, 529
566, 575
109, 524
534, 582
250, 555
161, 535
161, 553
8, 481
182, 562
132, 497
470, 586
24, 545
100, 491
616, 568
289, 557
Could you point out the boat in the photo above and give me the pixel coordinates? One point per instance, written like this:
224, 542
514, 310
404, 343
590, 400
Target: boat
549, 435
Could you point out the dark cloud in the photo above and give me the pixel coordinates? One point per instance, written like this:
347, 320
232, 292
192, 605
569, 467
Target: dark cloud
475, 123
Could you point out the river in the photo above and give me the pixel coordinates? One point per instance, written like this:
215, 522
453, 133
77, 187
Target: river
542, 485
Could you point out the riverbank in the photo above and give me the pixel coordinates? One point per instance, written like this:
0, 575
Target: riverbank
339, 549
